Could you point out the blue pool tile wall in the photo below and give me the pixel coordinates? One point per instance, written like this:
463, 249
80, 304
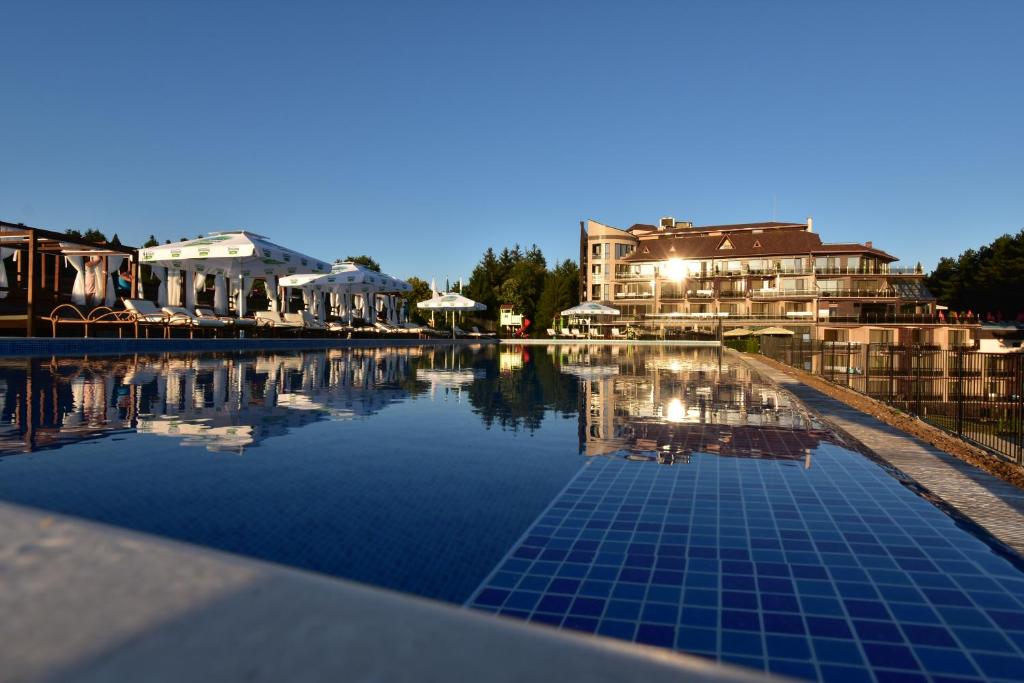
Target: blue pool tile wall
832, 572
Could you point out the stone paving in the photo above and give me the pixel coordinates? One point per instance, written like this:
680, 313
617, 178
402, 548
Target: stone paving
986, 500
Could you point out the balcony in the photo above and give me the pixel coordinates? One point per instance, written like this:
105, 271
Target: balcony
858, 293
775, 293
732, 294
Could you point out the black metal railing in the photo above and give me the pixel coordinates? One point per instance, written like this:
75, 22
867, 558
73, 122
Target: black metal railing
977, 396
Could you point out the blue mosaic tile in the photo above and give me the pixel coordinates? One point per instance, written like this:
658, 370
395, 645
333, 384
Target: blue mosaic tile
833, 573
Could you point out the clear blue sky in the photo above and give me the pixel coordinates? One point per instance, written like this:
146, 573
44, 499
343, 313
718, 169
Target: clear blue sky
422, 132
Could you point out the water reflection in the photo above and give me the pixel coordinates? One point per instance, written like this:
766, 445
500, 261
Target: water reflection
666, 405
223, 402
652, 404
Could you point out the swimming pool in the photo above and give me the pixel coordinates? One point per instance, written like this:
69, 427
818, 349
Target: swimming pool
643, 493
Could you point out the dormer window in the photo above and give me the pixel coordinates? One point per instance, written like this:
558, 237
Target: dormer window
726, 243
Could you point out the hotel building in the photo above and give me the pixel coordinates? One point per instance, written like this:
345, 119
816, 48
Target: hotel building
676, 275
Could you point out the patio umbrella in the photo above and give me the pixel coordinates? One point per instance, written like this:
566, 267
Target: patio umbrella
349, 278
774, 331
451, 303
738, 332
234, 254
591, 308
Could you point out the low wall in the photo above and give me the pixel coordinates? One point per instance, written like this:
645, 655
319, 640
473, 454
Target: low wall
74, 346
87, 602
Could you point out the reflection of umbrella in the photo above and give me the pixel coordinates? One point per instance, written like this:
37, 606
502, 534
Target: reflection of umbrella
774, 331
451, 302
591, 308
590, 371
738, 332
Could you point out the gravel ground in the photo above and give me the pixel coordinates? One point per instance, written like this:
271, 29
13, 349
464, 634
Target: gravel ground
944, 441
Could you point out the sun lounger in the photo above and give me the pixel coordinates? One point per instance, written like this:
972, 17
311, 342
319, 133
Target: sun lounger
273, 320
147, 315
238, 324
552, 333
179, 316
477, 332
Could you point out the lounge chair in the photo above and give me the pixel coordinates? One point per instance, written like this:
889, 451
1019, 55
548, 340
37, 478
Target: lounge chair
479, 333
310, 323
237, 324
179, 316
147, 315
274, 321
618, 334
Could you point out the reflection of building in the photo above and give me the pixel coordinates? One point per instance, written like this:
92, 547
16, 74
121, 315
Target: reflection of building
677, 404
223, 402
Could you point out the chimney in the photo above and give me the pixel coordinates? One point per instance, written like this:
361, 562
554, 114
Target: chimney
868, 244
810, 224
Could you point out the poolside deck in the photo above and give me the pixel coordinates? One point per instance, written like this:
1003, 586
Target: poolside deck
989, 502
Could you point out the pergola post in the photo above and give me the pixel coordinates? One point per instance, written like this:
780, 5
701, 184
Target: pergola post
136, 273
30, 308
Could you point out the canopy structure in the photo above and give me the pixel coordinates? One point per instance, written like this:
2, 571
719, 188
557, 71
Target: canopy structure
738, 332
237, 256
347, 280
591, 308
774, 331
49, 268
451, 303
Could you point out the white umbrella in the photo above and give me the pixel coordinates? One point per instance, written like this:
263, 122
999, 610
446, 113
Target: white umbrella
591, 308
350, 278
453, 303
235, 254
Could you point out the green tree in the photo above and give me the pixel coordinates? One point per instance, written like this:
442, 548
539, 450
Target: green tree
420, 292
364, 261
561, 291
984, 280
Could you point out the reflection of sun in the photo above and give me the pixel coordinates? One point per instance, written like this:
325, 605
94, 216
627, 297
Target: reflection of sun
674, 411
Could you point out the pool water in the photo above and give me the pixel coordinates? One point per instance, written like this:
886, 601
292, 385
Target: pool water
660, 495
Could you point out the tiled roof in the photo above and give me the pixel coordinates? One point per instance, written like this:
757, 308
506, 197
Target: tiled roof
852, 248
744, 244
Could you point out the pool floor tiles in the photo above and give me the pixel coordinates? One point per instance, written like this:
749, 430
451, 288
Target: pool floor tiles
833, 571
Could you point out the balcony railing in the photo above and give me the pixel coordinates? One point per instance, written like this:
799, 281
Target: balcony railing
781, 293
859, 293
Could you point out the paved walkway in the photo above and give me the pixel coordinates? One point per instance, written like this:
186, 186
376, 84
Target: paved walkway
984, 499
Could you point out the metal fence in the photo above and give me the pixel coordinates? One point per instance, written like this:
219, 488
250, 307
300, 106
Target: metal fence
977, 396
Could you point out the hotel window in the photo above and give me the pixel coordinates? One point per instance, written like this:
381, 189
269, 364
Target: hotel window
596, 250
605, 298
829, 287
623, 250
792, 265
957, 338
595, 269
595, 292
880, 336
607, 250
794, 284
853, 264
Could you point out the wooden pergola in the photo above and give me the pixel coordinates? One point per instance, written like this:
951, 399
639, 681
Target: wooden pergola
35, 279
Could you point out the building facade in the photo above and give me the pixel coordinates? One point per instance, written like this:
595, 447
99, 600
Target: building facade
675, 275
